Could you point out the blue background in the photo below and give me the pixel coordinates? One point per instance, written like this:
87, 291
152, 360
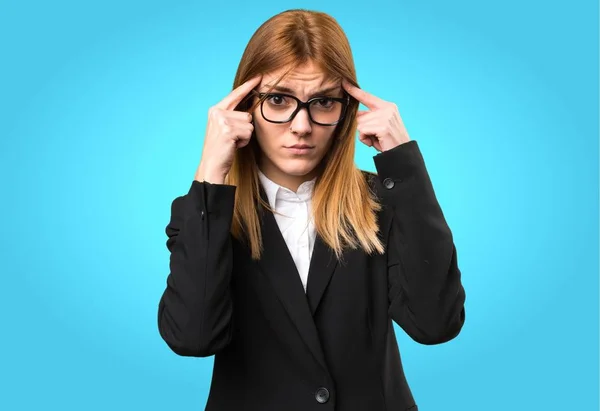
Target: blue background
102, 113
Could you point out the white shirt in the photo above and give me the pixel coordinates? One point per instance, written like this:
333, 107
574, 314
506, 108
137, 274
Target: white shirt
293, 216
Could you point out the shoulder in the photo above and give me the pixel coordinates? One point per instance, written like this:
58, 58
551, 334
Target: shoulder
370, 176
372, 180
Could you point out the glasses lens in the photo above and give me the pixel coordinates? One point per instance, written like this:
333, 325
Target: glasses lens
326, 110
277, 107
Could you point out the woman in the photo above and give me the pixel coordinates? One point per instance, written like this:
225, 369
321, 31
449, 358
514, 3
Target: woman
287, 262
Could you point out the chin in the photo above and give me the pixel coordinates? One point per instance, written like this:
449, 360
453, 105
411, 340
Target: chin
296, 168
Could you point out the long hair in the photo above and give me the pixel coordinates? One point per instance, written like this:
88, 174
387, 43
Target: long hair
344, 208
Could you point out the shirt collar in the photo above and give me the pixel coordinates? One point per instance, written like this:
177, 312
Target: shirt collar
276, 192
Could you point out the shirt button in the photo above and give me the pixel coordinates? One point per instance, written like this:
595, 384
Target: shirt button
388, 183
322, 395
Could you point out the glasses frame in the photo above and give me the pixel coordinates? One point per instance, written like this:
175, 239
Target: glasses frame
305, 104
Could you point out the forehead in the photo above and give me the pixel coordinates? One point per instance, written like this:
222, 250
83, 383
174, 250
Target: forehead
306, 78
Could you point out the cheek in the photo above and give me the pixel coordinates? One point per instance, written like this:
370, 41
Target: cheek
325, 137
267, 134
260, 128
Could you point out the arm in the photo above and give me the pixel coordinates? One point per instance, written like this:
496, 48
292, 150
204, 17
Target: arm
426, 295
195, 310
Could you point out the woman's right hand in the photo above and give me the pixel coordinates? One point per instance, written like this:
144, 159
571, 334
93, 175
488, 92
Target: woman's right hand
226, 131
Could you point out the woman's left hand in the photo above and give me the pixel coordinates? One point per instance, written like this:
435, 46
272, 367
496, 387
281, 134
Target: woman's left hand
380, 127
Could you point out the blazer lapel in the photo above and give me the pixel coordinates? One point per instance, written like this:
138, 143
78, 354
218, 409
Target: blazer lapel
322, 266
278, 266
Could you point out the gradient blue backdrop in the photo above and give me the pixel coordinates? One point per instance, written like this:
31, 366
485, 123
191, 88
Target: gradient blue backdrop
103, 108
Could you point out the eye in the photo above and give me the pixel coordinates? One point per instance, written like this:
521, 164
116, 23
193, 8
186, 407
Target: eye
324, 102
277, 99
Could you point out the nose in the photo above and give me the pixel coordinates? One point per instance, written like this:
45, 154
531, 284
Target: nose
301, 123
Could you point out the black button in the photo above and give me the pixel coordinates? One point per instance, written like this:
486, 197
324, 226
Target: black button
322, 395
388, 183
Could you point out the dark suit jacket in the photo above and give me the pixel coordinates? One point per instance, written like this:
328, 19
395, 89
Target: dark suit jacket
278, 348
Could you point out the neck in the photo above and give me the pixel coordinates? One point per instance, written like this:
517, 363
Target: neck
285, 180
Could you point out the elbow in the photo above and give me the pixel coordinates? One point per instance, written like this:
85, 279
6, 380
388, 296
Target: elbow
190, 341
432, 324
438, 332
188, 346
190, 350
182, 346
439, 320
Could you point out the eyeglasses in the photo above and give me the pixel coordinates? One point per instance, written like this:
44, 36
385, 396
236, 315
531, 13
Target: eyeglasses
281, 108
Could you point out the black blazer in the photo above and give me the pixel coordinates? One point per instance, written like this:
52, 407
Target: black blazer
278, 348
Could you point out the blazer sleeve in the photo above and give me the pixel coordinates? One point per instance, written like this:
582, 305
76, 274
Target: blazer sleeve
195, 310
426, 295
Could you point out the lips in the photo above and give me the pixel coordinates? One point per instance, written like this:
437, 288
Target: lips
300, 149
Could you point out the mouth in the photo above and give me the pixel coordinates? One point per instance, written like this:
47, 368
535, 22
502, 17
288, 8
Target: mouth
300, 148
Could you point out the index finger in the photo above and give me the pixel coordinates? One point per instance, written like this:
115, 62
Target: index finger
369, 100
236, 96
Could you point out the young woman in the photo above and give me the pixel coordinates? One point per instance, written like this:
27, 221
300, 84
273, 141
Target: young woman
288, 263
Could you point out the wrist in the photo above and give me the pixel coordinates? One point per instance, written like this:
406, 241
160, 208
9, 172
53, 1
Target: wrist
212, 177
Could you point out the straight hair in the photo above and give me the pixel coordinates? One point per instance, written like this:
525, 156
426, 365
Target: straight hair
344, 208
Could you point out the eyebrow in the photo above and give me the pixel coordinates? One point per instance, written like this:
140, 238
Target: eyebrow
316, 93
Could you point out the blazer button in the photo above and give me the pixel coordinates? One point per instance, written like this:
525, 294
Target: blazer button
388, 183
322, 395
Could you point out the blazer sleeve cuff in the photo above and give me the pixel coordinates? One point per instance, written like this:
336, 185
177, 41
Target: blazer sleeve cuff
399, 163
211, 198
